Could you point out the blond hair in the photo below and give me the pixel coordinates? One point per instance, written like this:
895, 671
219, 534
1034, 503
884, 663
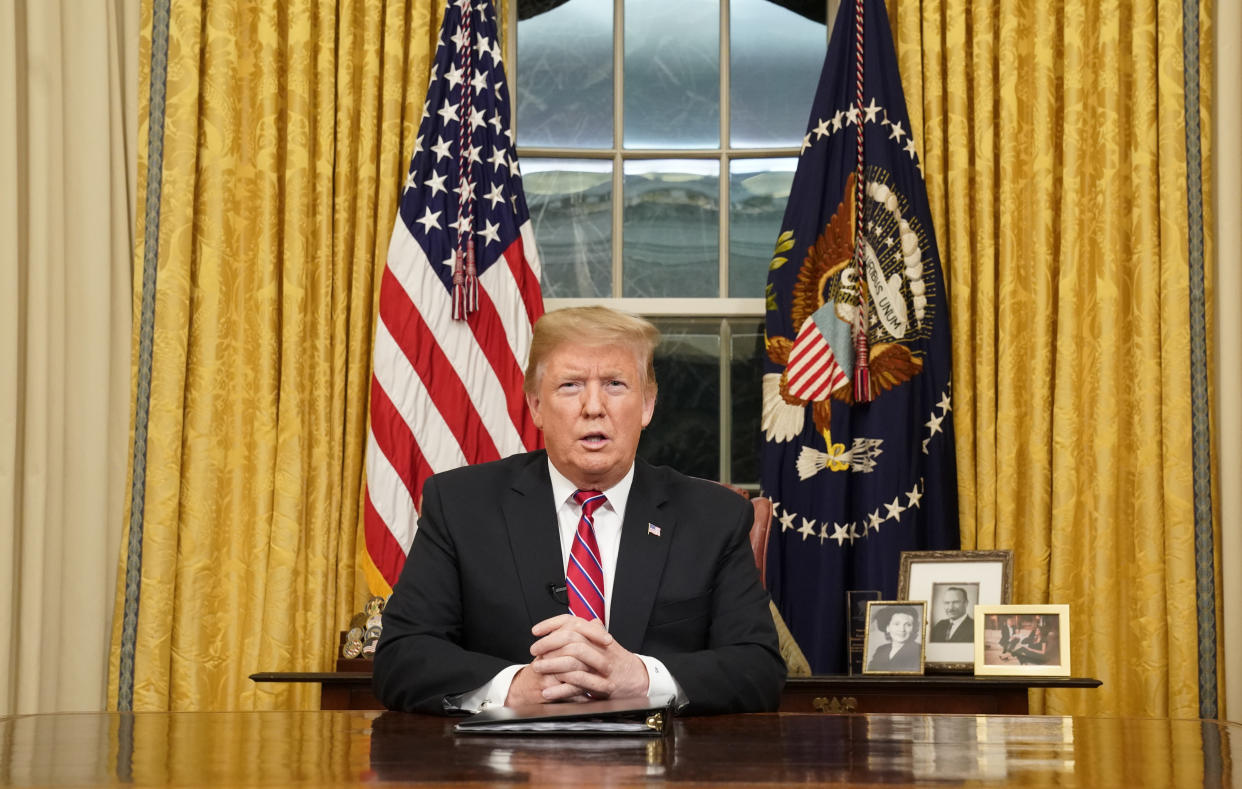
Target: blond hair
594, 326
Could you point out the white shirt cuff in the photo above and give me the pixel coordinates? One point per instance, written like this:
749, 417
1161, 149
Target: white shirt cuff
493, 694
660, 682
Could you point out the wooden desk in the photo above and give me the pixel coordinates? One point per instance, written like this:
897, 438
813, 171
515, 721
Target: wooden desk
357, 749
339, 690
946, 693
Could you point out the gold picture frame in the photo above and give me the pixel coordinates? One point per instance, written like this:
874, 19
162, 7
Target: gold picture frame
881, 614
981, 577
1022, 640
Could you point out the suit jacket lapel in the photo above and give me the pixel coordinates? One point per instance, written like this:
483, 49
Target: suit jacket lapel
640, 562
530, 515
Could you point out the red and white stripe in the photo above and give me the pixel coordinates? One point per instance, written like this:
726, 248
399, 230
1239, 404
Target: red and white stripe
813, 371
444, 392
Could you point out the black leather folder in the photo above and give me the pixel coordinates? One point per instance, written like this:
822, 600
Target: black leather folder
648, 717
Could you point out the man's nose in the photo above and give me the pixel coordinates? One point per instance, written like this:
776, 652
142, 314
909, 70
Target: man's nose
592, 398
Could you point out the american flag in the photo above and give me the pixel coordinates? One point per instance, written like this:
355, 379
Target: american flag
458, 297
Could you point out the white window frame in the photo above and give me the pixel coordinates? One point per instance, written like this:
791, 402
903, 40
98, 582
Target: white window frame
722, 307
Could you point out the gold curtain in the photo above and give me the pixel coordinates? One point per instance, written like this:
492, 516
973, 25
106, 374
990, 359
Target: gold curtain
1055, 150
271, 156
1053, 139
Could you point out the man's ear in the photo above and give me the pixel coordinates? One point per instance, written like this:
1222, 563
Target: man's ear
532, 402
648, 408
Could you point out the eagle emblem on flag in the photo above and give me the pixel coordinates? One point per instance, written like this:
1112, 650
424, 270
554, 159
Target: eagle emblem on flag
858, 440
818, 361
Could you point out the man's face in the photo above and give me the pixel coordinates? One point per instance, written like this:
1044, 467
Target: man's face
591, 407
954, 604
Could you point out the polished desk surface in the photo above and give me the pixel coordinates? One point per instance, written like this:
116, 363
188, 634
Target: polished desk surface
334, 748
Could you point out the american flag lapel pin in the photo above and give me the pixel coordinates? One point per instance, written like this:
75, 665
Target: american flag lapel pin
653, 529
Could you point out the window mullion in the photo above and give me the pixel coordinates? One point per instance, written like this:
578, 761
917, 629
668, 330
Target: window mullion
726, 401
722, 258
656, 153
618, 130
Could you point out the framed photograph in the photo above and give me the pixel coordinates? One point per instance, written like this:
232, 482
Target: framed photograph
952, 583
894, 640
1022, 640
856, 624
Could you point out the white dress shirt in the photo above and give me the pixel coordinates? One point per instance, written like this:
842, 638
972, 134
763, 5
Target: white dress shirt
607, 520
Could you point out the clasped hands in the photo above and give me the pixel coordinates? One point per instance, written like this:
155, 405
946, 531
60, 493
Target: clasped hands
577, 660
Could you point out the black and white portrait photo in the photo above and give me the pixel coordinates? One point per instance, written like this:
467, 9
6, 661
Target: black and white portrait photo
953, 583
952, 607
894, 638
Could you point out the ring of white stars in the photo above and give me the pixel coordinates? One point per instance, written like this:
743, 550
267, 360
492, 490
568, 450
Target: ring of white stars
855, 530
939, 412
824, 128
877, 518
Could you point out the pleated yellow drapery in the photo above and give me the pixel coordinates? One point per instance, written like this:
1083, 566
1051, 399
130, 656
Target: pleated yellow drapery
1055, 150
271, 157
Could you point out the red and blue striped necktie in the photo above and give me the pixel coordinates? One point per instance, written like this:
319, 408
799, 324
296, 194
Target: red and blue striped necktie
585, 573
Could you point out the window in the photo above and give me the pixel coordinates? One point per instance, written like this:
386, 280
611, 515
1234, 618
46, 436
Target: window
658, 142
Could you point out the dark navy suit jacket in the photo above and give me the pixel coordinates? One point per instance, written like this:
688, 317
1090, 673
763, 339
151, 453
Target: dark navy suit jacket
488, 549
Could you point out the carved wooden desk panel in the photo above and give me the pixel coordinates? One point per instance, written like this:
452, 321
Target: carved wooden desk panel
942, 693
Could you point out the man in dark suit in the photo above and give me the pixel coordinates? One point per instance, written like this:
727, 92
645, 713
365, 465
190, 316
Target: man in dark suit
479, 616
956, 627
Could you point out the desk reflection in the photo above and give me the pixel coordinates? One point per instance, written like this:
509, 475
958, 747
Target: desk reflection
402, 749
794, 749
363, 749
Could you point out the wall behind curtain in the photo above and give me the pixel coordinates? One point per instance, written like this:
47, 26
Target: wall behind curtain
280, 135
67, 73
1054, 145
1227, 169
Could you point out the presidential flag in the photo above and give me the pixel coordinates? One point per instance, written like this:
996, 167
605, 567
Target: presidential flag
857, 392
458, 297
